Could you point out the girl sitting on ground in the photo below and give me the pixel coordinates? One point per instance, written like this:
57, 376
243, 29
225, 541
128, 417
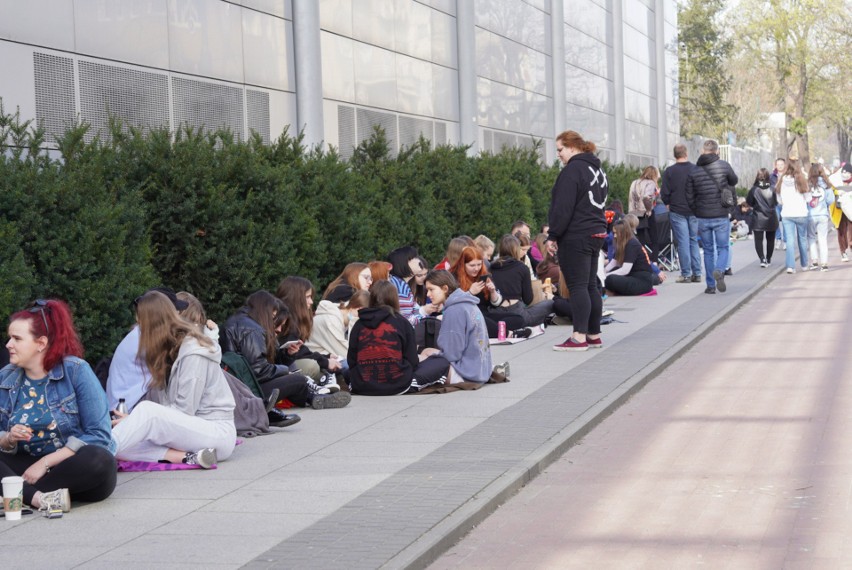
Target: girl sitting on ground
629, 272
471, 275
463, 339
404, 264
193, 422
485, 244
382, 355
512, 278
418, 282
298, 294
333, 321
355, 275
457, 244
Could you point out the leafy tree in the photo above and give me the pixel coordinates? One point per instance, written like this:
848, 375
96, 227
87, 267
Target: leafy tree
703, 80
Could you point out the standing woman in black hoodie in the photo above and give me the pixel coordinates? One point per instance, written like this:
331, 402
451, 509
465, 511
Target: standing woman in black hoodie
577, 232
763, 202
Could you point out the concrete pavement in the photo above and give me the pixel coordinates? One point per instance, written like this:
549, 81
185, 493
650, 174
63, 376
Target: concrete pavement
386, 482
735, 456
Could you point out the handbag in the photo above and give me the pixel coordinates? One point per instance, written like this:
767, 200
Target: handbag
726, 194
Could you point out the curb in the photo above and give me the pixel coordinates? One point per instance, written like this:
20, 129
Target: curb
432, 544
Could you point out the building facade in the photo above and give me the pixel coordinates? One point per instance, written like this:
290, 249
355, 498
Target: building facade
485, 73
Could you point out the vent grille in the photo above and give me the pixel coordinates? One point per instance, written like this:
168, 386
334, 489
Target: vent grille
138, 98
367, 119
54, 93
257, 108
440, 133
504, 140
346, 131
208, 106
410, 130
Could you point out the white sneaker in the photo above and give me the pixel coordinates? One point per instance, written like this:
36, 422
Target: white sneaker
790, 270
54, 503
204, 458
844, 257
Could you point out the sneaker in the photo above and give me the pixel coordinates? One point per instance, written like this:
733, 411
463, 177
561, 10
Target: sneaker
571, 345
719, 276
328, 401
205, 458
594, 342
844, 257
521, 333
329, 380
710, 290
814, 266
607, 313
764, 263
729, 272
684, 279
54, 503
277, 418
783, 246
696, 278
316, 389
790, 271
823, 268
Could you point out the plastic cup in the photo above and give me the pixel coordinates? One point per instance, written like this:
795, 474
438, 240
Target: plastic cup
13, 497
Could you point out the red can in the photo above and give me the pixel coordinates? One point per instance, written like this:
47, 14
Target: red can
501, 330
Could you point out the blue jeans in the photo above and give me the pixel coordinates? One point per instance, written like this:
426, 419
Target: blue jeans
796, 230
716, 238
779, 233
685, 230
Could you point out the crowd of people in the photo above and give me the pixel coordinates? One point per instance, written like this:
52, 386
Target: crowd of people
179, 389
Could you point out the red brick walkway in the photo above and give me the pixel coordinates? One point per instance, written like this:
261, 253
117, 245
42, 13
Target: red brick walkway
739, 455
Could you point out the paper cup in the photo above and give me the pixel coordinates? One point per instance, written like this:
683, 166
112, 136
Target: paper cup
13, 497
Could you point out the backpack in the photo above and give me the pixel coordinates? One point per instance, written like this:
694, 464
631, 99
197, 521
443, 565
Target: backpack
237, 365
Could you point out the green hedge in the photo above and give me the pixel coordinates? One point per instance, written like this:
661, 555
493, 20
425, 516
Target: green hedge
221, 218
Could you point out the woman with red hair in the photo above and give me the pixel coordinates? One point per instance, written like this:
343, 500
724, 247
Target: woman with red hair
469, 270
54, 418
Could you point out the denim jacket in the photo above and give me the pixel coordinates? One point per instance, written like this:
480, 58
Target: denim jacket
75, 398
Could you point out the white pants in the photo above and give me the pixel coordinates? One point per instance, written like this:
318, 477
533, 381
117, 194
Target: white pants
152, 429
818, 238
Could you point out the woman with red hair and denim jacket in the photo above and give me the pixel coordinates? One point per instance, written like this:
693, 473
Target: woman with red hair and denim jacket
54, 419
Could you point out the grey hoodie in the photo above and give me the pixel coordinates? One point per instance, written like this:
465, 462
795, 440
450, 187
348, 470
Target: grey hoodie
463, 339
197, 386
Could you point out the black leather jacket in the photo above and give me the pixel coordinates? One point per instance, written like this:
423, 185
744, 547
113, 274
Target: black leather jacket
243, 335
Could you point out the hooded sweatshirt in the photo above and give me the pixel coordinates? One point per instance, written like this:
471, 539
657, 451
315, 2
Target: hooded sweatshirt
197, 385
463, 339
329, 334
577, 199
382, 353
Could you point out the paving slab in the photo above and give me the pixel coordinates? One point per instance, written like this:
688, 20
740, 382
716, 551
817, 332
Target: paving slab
391, 482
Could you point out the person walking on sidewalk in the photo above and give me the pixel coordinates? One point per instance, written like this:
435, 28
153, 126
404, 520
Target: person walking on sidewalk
793, 195
778, 172
683, 220
762, 200
822, 197
705, 186
577, 231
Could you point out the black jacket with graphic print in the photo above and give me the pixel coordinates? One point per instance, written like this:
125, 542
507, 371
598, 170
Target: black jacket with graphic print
578, 198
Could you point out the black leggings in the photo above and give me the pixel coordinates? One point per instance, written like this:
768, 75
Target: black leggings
759, 236
647, 236
514, 321
578, 260
636, 283
89, 475
294, 387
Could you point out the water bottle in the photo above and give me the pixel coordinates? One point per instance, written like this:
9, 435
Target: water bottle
122, 407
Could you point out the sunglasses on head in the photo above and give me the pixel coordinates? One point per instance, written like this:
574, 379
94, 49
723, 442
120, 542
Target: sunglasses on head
38, 306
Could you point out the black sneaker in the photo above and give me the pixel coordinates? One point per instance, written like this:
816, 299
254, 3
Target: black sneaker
327, 401
729, 272
522, 333
277, 418
696, 278
710, 290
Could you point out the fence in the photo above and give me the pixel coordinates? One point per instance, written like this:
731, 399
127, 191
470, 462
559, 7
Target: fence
745, 161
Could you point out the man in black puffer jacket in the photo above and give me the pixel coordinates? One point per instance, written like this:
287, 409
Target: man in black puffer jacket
704, 188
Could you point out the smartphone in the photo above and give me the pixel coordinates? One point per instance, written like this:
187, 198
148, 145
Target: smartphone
290, 343
485, 277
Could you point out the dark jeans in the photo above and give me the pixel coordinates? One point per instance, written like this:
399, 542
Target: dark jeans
578, 260
431, 370
294, 387
514, 321
759, 236
89, 475
636, 283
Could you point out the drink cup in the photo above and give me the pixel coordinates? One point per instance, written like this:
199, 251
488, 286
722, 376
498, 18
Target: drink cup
13, 497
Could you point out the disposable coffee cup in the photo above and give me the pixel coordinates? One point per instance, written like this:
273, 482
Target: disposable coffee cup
13, 497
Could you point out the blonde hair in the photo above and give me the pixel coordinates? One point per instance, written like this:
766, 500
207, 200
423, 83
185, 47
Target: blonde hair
484, 243
194, 312
632, 221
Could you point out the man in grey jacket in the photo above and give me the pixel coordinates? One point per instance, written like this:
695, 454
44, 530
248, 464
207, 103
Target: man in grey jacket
704, 187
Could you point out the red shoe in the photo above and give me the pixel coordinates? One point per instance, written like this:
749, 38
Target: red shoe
594, 342
571, 345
